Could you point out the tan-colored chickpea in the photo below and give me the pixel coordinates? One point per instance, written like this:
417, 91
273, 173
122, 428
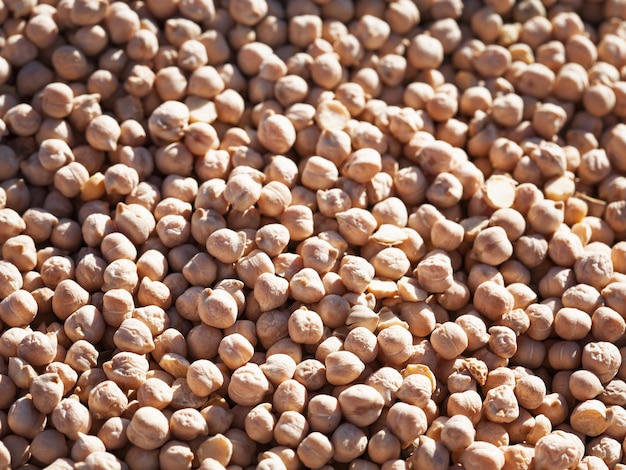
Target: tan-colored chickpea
406, 421
278, 368
155, 392
290, 429
457, 433
481, 454
305, 326
299, 221
315, 450
342, 367
492, 300
349, 442
18, 308
449, 340
248, 385
425, 52
148, 428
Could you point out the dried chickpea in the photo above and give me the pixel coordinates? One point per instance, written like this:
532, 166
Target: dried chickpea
348, 442
342, 367
248, 385
481, 454
148, 428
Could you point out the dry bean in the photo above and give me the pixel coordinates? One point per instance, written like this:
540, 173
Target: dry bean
262, 197
148, 428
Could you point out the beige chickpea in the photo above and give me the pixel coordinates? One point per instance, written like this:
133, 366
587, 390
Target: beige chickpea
425, 52
342, 367
47, 392
168, 122
593, 268
500, 405
606, 324
71, 417
360, 404
492, 246
154, 392
323, 413
278, 368
235, 350
603, 448
260, 422
406, 421
327, 346
395, 343
85, 445
502, 340
558, 448
475, 330
391, 263
23, 120
188, 424
332, 201
271, 291
428, 452
530, 391
107, 400
305, 326
20, 251
349, 442
299, 221
601, 358
275, 197
326, 70
248, 385
356, 273
457, 433
133, 335
290, 395
571, 323
446, 235
127, 369
290, 429
276, 133
315, 450
363, 343
467, 403
481, 454
492, 300
148, 428
416, 389
272, 238
449, 340
37, 348
18, 308
226, 245
434, 272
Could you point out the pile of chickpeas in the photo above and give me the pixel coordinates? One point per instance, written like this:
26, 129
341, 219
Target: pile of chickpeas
323, 234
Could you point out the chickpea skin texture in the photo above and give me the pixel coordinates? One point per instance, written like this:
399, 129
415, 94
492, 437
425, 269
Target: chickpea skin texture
356, 234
